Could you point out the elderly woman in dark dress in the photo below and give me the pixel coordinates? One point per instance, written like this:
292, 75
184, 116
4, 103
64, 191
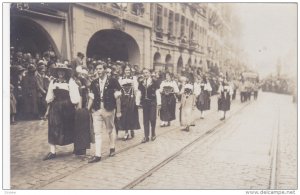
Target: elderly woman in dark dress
62, 98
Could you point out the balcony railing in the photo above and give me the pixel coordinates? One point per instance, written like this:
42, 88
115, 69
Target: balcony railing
183, 42
193, 45
159, 32
171, 38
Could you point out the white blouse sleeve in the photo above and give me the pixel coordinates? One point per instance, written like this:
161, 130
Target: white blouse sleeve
136, 91
175, 86
74, 92
135, 84
208, 87
197, 89
50, 94
220, 89
158, 97
161, 87
230, 90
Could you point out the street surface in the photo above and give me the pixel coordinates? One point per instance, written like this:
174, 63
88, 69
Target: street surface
235, 154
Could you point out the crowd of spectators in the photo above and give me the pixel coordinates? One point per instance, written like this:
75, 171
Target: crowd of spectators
31, 75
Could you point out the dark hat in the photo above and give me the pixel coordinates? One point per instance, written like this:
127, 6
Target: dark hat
64, 67
80, 54
31, 68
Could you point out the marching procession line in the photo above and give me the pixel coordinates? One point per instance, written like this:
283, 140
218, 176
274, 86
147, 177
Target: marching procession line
134, 145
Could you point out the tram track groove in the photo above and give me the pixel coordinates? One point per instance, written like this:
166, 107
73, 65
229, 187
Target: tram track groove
274, 156
206, 133
209, 133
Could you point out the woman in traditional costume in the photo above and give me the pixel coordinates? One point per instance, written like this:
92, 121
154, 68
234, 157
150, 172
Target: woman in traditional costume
130, 98
187, 106
202, 92
168, 90
62, 98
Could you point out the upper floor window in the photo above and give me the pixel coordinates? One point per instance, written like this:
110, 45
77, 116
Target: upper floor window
191, 30
182, 26
171, 22
159, 16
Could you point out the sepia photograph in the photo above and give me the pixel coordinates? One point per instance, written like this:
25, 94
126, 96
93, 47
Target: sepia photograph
151, 96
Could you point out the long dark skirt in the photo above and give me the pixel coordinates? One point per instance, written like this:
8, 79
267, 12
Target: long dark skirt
224, 103
130, 116
203, 101
82, 137
168, 107
61, 121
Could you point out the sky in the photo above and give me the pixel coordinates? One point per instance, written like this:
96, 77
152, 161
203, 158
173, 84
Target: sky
268, 36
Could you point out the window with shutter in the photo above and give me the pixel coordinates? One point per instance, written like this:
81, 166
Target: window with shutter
158, 20
177, 16
182, 26
165, 20
187, 27
151, 11
165, 12
171, 23
191, 35
177, 25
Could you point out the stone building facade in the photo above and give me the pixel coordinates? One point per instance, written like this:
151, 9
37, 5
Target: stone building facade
169, 36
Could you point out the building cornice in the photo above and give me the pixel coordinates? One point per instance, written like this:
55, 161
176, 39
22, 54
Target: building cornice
110, 11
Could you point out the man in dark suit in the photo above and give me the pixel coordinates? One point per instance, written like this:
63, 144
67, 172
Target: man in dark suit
104, 101
150, 100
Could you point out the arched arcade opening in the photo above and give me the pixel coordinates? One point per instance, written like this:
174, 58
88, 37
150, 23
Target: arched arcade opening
179, 65
114, 44
28, 36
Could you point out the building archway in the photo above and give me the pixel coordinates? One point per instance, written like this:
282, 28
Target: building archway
114, 44
189, 62
168, 59
157, 64
28, 36
179, 65
169, 64
157, 57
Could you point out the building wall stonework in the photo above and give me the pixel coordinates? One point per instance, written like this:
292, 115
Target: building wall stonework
87, 22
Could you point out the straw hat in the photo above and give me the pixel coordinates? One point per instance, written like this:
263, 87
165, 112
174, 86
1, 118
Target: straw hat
63, 67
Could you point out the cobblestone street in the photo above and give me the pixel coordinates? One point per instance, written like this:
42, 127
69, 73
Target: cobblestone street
234, 156
239, 156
